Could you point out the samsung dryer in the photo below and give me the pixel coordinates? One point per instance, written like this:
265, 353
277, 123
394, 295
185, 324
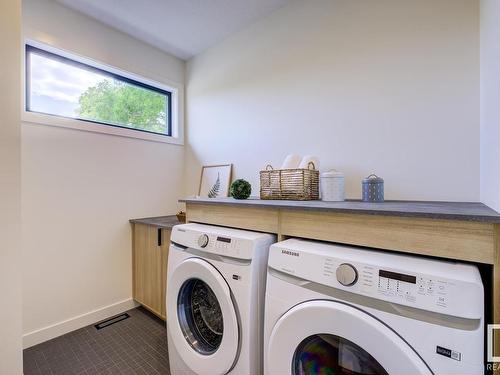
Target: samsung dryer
333, 309
215, 300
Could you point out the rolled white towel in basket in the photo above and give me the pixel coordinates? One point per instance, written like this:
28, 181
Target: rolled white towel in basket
304, 163
292, 161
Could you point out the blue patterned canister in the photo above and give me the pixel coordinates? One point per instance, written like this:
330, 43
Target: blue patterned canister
373, 189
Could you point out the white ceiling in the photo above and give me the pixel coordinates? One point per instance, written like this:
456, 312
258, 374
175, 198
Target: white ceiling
183, 28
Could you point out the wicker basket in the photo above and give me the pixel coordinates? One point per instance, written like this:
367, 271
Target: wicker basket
290, 184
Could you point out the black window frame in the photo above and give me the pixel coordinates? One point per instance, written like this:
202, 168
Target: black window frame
40, 51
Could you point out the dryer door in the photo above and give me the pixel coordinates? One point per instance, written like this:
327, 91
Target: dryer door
328, 337
202, 319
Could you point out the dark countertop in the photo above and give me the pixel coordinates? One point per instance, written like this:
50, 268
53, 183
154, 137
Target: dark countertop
466, 211
159, 221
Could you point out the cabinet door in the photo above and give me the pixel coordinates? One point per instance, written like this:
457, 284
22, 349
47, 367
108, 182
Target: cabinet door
148, 255
164, 264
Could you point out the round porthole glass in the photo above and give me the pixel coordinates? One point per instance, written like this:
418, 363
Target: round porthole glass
326, 354
200, 316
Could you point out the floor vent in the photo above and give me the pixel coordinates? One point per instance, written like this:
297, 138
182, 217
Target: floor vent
113, 320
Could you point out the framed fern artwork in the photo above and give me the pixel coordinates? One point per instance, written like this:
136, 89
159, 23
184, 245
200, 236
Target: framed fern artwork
215, 181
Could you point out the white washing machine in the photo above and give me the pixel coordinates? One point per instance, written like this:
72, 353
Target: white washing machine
215, 300
333, 309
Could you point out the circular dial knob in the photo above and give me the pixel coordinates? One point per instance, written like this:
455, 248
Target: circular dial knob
203, 240
347, 275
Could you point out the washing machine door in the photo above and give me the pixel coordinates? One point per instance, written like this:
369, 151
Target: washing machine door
202, 319
328, 337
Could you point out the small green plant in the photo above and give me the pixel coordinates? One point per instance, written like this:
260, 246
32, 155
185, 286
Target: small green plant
240, 189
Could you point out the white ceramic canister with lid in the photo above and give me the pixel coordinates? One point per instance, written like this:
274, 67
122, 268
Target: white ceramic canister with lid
332, 186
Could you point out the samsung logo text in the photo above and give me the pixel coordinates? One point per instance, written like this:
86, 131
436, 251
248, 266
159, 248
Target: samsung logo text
289, 252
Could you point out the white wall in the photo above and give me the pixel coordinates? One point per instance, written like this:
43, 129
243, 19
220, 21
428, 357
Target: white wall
385, 86
490, 103
79, 189
10, 183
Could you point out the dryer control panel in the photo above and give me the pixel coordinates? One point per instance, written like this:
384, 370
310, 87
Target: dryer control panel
440, 286
408, 287
228, 242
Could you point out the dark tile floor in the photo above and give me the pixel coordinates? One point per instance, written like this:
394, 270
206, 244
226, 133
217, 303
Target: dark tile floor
137, 345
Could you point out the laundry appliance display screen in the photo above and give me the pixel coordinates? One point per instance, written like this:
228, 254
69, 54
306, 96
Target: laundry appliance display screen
397, 276
224, 239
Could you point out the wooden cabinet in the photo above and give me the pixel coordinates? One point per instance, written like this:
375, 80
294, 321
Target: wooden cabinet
149, 266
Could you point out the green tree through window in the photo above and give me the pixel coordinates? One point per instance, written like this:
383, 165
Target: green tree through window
123, 104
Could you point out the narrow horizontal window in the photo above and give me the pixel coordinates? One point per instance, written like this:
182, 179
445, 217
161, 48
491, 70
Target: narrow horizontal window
60, 86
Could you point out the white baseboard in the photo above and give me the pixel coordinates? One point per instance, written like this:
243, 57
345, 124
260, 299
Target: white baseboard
47, 333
